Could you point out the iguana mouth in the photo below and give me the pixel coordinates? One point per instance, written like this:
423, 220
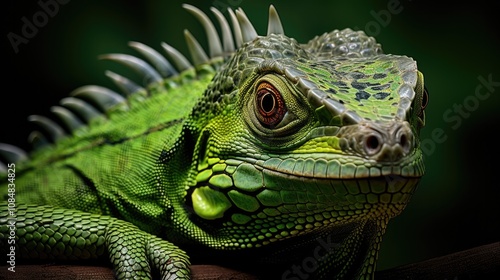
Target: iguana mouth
343, 167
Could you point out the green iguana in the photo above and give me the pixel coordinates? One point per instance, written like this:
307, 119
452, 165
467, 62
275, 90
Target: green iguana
265, 152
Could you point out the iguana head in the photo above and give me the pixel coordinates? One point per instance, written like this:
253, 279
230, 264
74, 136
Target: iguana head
294, 138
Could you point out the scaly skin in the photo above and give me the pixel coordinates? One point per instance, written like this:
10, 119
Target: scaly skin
283, 154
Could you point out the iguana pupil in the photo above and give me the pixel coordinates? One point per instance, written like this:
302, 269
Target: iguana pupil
267, 103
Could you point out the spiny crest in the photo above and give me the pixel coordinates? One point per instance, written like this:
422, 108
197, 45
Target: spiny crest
89, 102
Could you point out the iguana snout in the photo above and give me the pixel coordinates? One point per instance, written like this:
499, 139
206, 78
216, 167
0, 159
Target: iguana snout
382, 141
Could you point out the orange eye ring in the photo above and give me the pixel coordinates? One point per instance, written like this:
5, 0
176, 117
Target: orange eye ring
270, 105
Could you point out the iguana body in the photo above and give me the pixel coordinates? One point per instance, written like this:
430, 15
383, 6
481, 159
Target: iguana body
273, 152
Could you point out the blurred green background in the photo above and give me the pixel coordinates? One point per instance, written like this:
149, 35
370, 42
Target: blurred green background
456, 206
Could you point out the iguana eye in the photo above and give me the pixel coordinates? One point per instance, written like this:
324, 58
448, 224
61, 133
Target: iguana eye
423, 103
422, 99
425, 99
270, 105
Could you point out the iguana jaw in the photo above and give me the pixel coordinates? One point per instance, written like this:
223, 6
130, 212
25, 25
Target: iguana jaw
286, 197
325, 166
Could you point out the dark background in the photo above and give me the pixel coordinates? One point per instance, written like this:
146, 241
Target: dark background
456, 206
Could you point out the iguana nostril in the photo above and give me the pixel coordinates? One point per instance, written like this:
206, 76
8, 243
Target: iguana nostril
383, 141
372, 144
403, 141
